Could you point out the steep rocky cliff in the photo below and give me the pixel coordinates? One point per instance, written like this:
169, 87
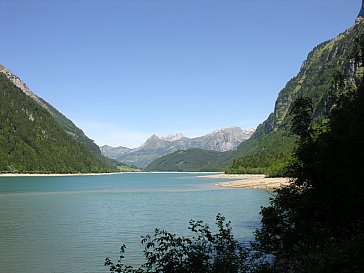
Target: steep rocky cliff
316, 79
326, 64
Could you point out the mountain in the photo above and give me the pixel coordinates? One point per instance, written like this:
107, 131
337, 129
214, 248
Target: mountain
192, 160
316, 79
329, 64
36, 138
270, 147
172, 138
114, 152
223, 140
155, 147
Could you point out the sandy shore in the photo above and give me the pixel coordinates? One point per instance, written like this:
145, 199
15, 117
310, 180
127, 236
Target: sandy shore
253, 181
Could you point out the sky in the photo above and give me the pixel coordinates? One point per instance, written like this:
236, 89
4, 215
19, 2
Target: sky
125, 70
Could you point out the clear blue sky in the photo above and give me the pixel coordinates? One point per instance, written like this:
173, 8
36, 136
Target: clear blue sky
124, 70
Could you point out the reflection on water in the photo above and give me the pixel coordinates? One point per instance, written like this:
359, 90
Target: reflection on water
70, 224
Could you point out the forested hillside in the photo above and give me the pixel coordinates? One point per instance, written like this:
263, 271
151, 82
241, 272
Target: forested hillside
269, 149
316, 223
38, 139
192, 160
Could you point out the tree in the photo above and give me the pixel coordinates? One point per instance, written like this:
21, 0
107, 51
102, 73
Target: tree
301, 112
316, 223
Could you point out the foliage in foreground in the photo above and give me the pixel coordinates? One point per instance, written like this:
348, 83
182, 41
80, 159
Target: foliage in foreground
313, 225
316, 224
205, 252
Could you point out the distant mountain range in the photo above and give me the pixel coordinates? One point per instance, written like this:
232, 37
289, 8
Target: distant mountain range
220, 141
36, 138
270, 147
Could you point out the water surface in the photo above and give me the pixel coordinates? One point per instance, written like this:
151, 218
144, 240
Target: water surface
71, 224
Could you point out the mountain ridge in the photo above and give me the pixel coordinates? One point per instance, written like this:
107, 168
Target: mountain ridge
226, 139
37, 138
63, 121
327, 63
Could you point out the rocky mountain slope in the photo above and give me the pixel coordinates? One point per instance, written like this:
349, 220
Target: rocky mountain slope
113, 152
35, 137
270, 147
316, 79
327, 65
220, 141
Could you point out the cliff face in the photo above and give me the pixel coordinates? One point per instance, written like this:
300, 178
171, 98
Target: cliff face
269, 149
21, 85
315, 79
223, 140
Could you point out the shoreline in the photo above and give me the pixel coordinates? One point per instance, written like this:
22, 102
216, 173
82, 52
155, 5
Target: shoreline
51, 174
95, 174
250, 181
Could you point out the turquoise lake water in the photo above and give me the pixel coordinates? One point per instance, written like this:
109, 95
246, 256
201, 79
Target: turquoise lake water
71, 224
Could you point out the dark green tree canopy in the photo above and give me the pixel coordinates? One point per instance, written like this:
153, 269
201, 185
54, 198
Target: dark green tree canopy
301, 112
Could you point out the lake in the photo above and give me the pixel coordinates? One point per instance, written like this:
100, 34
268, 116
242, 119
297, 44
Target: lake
71, 224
